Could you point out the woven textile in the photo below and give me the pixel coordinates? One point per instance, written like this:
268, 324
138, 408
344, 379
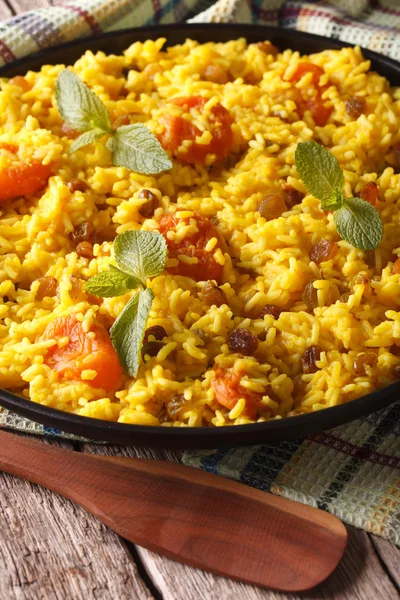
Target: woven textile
352, 471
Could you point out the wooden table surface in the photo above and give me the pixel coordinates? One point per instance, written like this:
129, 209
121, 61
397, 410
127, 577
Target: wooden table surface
51, 549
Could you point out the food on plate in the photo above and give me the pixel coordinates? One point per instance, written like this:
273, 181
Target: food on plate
199, 235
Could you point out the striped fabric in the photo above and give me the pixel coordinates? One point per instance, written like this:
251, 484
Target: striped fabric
352, 471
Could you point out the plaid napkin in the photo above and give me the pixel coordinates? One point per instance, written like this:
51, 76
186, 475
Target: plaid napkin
352, 471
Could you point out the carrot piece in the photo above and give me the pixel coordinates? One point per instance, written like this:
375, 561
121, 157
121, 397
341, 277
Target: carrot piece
305, 67
82, 353
228, 391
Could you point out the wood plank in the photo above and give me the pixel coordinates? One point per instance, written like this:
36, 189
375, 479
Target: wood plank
5, 11
53, 549
359, 576
389, 555
20, 6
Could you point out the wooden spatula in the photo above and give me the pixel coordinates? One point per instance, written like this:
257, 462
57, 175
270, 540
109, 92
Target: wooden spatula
188, 515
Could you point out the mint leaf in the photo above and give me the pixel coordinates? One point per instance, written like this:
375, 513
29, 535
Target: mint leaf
359, 223
113, 282
86, 138
319, 170
78, 105
335, 202
140, 253
127, 333
137, 149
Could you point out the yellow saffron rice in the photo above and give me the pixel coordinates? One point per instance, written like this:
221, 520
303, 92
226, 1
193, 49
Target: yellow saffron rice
265, 262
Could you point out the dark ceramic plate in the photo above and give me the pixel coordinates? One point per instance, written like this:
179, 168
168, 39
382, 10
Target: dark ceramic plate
116, 42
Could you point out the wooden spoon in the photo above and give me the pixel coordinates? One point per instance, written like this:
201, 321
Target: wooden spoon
189, 515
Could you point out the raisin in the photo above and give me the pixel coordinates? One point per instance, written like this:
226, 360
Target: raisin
324, 250
396, 371
77, 185
213, 295
84, 249
271, 207
76, 288
271, 309
216, 74
396, 267
157, 331
310, 296
83, 233
152, 348
370, 193
175, 406
345, 297
267, 48
292, 196
106, 234
47, 287
147, 209
363, 360
201, 334
361, 279
355, 106
242, 341
309, 359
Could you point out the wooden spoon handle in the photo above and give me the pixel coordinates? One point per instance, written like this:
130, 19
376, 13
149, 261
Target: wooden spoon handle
189, 515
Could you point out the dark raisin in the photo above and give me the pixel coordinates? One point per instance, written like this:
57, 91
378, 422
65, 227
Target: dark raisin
310, 296
370, 193
309, 358
395, 350
47, 287
157, 331
242, 341
362, 360
213, 295
271, 207
147, 209
106, 234
292, 196
175, 406
77, 185
84, 249
152, 348
271, 309
323, 251
83, 233
355, 106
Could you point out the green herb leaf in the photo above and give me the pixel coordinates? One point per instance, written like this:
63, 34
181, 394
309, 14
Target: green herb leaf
141, 253
359, 223
137, 149
127, 333
335, 202
319, 170
113, 282
86, 138
78, 105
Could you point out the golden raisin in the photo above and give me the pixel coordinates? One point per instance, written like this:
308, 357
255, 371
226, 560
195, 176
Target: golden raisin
267, 48
355, 106
271, 207
309, 359
361, 279
310, 295
242, 341
83, 233
77, 185
76, 288
213, 295
147, 209
271, 309
370, 193
175, 406
216, 74
47, 287
362, 360
84, 249
292, 196
323, 251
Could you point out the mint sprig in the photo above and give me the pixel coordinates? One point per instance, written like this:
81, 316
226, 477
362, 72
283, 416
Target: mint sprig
356, 220
138, 255
132, 146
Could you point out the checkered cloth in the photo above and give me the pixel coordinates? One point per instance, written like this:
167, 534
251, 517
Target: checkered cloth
352, 471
